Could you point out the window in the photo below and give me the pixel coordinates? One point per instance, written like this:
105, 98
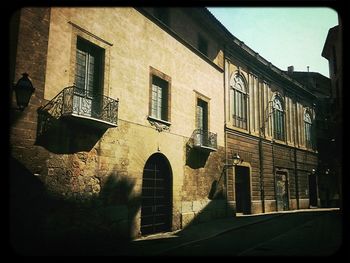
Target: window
202, 45
88, 67
202, 115
88, 71
239, 102
159, 96
278, 118
308, 129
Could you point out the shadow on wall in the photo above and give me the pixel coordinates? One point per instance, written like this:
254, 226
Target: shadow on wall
41, 224
64, 136
196, 159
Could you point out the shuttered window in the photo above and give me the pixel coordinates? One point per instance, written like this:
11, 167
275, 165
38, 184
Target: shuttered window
239, 102
159, 105
278, 118
308, 130
88, 68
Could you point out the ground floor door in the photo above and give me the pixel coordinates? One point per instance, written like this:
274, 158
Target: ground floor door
313, 189
282, 191
156, 207
242, 189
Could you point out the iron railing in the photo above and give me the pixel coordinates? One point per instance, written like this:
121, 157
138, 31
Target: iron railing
72, 101
204, 139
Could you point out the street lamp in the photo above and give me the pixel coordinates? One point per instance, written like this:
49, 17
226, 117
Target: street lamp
24, 90
236, 159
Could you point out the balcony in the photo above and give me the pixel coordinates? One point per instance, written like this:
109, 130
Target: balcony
76, 104
204, 140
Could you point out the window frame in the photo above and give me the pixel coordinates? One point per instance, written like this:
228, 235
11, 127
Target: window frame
154, 73
239, 94
278, 116
90, 50
79, 32
308, 129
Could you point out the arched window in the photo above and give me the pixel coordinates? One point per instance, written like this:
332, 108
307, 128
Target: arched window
308, 129
238, 101
278, 118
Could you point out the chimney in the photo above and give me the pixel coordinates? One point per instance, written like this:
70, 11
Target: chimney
290, 69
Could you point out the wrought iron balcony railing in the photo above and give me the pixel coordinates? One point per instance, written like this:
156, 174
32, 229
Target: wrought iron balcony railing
204, 140
89, 107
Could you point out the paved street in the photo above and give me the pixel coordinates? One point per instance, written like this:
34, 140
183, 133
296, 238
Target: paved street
286, 234
316, 232
307, 234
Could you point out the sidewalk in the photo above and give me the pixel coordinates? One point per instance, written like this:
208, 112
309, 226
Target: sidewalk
159, 244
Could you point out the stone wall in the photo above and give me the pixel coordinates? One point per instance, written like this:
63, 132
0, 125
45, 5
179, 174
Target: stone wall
204, 187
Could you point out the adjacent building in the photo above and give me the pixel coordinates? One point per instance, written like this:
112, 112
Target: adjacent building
333, 52
151, 119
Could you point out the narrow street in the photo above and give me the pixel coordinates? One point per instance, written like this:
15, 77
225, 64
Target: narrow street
290, 234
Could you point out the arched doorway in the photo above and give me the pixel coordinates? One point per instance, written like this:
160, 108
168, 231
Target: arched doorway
156, 206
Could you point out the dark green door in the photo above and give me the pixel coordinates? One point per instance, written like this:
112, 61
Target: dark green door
156, 207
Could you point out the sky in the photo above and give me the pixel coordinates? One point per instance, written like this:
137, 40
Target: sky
283, 36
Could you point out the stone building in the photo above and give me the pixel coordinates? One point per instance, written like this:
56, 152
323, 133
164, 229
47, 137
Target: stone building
333, 52
126, 116
328, 182
136, 117
269, 123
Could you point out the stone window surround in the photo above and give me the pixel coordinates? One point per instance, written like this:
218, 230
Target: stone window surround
163, 76
78, 31
206, 99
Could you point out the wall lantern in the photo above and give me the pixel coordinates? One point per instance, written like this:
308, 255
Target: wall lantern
236, 159
24, 90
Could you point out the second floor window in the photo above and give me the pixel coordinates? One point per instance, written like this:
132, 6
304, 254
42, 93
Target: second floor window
202, 115
88, 76
239, 102
159, 103
88, 68
308, 129
278, 118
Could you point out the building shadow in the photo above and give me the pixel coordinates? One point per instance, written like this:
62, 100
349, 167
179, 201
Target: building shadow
65, 136
43, 224
195, 158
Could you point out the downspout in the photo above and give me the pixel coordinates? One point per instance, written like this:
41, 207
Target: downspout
225, 133
261, 163
262, 194
273, 172
295, 133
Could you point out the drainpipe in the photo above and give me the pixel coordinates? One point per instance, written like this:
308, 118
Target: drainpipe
225, 133
262, 193
273, 172
261, 163
295, 133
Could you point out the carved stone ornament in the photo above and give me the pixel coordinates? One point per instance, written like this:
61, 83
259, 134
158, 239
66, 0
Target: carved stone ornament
159, 126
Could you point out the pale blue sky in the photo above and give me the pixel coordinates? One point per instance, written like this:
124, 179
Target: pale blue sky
283, 36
